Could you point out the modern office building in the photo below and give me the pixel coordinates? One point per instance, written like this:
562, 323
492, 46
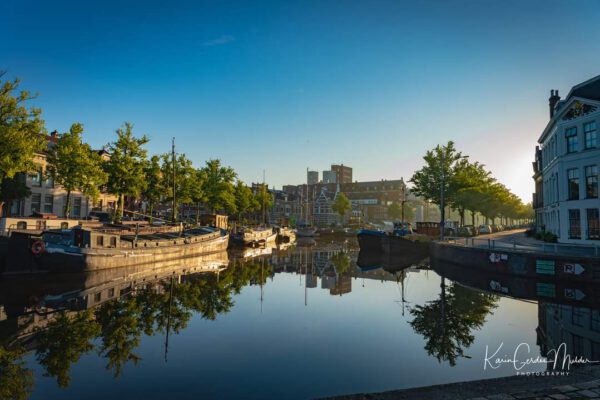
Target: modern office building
566, 167
312, 177
343, 173
329, 177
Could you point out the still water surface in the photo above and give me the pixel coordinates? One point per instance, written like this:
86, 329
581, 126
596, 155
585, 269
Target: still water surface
303, 322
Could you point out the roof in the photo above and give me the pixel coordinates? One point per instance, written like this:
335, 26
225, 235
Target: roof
589, 90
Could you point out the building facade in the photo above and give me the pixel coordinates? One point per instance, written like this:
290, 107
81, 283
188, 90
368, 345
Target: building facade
312, 177
343, 173
566, 166
329, 177
47, 197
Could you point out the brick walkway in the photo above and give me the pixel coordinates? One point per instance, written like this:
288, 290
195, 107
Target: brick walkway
581, 383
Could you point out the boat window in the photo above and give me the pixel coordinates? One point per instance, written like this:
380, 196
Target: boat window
100, 241
113, 241
57, 238
22, 225
64, 225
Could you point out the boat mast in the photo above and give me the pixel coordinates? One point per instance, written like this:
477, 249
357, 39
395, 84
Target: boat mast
174, 218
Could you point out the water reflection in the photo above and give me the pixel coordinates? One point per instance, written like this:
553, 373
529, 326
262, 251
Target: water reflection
447, 323
63, 319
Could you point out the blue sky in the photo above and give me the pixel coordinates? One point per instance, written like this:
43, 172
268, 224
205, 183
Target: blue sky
281, 86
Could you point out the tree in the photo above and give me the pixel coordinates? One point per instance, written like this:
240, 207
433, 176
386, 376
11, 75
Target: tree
125, 167
219, 187
264, 199
341, 204
73, 165
468, 182
188, 181
13, 189
245, 201
439, 171
155, 188
22, 132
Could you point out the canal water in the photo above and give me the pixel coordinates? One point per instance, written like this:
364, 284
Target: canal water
313, 320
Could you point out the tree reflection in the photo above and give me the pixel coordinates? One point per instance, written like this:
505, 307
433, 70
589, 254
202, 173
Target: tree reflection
165, 307
447, 323
120, 332
341, 262
63, 342
16, 381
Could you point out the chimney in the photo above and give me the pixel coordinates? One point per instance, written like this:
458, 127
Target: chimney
554, 98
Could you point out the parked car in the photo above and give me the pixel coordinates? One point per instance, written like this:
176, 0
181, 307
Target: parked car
99, 215
483, 229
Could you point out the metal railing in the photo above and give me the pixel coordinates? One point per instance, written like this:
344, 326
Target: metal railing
524, 246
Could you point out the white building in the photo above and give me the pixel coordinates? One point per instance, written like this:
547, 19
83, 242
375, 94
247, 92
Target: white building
567, 166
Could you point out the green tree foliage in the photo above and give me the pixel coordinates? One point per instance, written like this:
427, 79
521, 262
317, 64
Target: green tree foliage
447, 323
245, 201
125, 167
439, 170
394, 211
13, 189
219, 187
341, 262
16, 381
264, 199
63, 342
75, 166
22, 132
189, 182
341, 204
155, 189
468, 186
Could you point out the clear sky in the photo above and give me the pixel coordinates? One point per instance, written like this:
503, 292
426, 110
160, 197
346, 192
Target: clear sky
285, 85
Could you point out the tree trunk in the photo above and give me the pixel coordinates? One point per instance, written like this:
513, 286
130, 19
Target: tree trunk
121, 207
2, 208
461, 212
473, 218
197, 213
67, 208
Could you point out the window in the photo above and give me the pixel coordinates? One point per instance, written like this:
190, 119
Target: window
36, 202
573, 179
36, 178
100, 241
591, 181
113, 241
77, 206
97, 297
574, 224
571, 136
111, 292
590, 135
49, 181
48, 204
64, 225
22, 225
593, 223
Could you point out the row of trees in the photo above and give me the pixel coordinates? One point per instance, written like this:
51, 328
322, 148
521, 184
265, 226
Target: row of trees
467, 187
125, 171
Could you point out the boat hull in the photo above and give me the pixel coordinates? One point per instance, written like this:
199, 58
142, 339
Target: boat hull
99, 259
392, 245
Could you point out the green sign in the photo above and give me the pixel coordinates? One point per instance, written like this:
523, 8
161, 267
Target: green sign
544, 267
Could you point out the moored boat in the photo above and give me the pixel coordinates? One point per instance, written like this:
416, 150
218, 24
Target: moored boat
393, 244
81, 249
254, 237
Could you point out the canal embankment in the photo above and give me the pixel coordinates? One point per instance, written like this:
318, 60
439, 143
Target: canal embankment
580, 383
